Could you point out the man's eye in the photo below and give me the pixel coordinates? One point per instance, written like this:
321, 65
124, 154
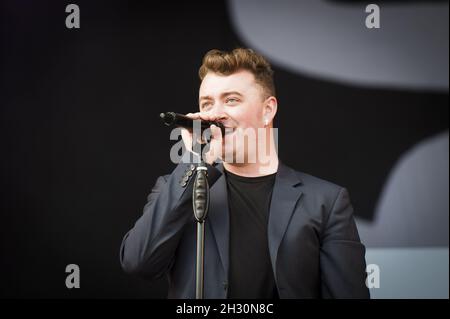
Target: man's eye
205, 105
232, 100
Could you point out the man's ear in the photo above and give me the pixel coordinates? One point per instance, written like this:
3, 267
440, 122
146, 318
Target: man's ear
270, 109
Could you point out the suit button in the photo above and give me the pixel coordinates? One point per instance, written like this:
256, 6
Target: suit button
183, 184
192, 167
189, 173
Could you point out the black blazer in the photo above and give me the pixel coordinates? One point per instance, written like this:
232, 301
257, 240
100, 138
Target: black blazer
313, 241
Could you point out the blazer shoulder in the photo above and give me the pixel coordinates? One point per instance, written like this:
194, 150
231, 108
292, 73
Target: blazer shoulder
321, 190
313, 181
319, 196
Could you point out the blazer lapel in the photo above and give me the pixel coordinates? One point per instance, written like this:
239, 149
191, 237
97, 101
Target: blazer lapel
218, 217
284, 199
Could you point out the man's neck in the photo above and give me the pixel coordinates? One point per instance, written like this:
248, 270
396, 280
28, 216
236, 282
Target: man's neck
264, 165
253, 169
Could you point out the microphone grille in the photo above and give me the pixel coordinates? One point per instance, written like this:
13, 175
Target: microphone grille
167, 117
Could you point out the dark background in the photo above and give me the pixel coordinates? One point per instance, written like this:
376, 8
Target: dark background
82, 144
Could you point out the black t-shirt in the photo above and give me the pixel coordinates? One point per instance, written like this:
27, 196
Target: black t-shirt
250, 274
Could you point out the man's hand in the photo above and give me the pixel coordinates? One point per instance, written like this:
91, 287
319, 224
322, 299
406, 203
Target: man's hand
215, 145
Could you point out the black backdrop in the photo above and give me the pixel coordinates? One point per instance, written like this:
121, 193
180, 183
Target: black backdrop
82, 144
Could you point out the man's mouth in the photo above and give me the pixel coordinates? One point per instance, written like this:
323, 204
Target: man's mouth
229, 130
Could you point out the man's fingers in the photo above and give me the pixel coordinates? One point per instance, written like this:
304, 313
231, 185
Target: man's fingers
193, 115
203, 116
187, 137
216, 133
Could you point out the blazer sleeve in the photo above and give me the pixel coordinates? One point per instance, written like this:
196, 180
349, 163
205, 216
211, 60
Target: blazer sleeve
342, 255
149, 247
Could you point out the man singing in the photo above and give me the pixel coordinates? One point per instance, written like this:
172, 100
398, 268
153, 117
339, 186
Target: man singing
271, 231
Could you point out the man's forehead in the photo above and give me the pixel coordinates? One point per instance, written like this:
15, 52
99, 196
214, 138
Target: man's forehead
214, 84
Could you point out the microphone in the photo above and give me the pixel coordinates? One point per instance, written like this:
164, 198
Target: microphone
180, 120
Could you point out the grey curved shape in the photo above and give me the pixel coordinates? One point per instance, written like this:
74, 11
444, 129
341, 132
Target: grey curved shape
413, 208
410, 272
330, 40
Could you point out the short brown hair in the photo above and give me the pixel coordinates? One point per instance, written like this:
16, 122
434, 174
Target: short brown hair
226, 63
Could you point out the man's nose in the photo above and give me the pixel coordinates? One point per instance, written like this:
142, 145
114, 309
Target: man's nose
218, 112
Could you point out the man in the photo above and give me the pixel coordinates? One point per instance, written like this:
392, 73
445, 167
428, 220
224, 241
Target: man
271, 232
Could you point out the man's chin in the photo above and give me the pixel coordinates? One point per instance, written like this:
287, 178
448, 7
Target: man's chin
233, 158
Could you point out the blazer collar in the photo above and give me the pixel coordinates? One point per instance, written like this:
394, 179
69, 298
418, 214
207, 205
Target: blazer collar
285, 196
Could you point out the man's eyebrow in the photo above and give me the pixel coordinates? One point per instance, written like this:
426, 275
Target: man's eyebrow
208, 97
230, 93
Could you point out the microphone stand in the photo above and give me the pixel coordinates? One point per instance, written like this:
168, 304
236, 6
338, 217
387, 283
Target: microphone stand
200, 193
200, 203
